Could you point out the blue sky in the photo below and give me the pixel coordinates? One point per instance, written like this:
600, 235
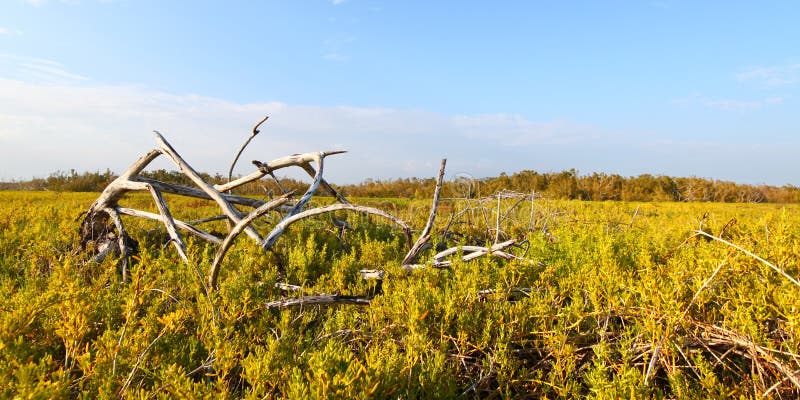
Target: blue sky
662, 87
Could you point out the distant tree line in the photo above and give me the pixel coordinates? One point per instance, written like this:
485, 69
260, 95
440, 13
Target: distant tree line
557, 185
596, 186
96, 181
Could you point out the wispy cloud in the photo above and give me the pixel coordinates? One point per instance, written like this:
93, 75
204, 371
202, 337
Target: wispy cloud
783, 75
516, 130
4, 31
663, 5
732, 105
50, 72
333, 48
742, 105
769, 162
39, 3
337, 2
36, 69
334, 57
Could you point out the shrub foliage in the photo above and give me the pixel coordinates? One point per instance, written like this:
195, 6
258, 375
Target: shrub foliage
620, 305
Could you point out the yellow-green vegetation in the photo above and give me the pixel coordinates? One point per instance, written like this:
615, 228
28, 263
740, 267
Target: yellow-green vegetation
625, 301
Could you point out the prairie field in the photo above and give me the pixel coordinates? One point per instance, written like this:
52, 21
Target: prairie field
603, 300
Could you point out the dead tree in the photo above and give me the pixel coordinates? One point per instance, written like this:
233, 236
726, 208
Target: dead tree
103, 232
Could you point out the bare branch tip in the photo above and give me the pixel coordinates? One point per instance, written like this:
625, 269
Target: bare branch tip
255, 128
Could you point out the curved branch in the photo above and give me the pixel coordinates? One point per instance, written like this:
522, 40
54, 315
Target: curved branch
318, 159
270, 240
114, 191
246, 142
767, 263
226, 244
279, 228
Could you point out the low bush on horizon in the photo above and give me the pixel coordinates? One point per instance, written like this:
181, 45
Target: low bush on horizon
553, 185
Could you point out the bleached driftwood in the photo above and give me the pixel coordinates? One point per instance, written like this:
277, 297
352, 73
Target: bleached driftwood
317, 300
469, 253
424, 236
103, 231
329, 299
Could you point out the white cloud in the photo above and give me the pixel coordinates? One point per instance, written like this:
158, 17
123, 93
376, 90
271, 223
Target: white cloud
732, 105
39, 3
334, 57
49, 127
53, 73
783, 75
46, 126
9, 32
515, 130
755, 163
36, 70
337, 2
742, 106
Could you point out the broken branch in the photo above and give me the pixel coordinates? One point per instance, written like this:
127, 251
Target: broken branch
425, 235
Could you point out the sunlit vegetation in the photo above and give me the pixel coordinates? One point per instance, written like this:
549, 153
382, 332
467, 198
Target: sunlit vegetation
613, 300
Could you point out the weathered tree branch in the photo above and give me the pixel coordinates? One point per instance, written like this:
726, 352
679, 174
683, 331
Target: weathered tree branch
227, 208
188, 227
166, 187
319, 300
425, 235
296, 160
96, 218
473, 253
472, 250
212, 276
122, 239
310, 171
169, 223
246, 142
281, 226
